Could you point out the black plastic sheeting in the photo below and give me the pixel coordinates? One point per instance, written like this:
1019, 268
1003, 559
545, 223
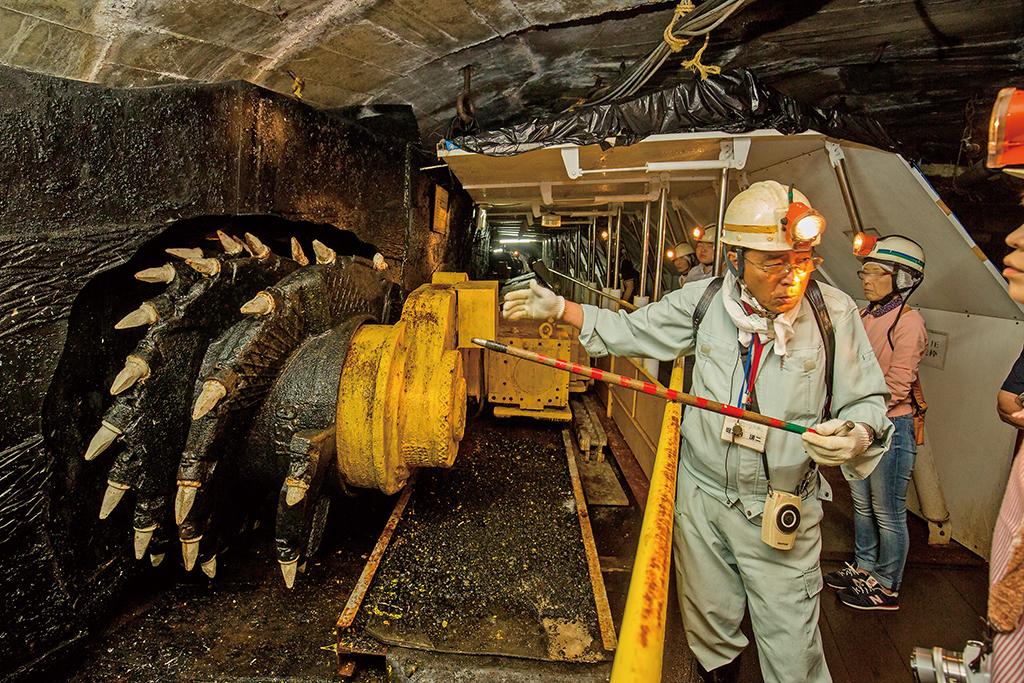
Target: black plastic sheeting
732, 102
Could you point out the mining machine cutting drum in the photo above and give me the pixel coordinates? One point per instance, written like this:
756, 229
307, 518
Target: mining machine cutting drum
259, 376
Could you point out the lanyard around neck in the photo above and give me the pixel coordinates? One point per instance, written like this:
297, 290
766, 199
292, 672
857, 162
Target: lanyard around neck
751, 366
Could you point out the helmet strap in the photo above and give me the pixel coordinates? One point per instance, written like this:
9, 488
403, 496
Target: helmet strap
737, 269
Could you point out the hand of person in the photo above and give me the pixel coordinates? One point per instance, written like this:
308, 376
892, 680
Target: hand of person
833, 442
536, 303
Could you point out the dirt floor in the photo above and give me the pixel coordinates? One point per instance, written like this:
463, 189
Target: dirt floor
246, 626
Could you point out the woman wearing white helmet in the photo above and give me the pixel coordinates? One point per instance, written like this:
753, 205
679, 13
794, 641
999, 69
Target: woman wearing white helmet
705, 253
761, 343
683, 258
893, 267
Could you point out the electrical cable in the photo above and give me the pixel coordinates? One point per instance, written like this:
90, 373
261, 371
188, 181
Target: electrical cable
700, 21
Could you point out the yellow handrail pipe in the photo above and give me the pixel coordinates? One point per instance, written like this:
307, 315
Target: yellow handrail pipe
642, 637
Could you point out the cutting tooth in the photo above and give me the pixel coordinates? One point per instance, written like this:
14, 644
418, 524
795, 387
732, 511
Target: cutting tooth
155, 560
324, 254
112, 496
135, 370
164, 274
101, 440
294, 494
261, 304
230, 244
185, 252
209, 567
255, 247
145, 314
288, 569
208, 267
189, 552
213, 391
183, 502
142, 539
298, 255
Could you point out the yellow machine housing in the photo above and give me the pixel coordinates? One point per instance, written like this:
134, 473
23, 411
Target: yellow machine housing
520, 388
403, 387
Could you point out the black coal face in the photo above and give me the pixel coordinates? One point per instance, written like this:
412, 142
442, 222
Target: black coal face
96, 183
95, 556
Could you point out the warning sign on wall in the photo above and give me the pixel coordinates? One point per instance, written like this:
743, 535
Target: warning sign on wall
440, 223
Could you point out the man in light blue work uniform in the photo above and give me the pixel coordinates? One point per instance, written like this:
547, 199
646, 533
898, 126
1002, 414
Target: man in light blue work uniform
759, 342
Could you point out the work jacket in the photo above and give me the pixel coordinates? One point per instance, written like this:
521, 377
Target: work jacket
790, 387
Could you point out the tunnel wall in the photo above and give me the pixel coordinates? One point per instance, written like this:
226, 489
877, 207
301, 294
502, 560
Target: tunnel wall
89, 174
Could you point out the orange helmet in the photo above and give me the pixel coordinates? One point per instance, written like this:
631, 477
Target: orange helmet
1006, 132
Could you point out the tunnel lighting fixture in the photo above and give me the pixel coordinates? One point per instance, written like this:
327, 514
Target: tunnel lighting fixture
499, 250
863, 243
604, 234
1006, 130
518, 240
803, 224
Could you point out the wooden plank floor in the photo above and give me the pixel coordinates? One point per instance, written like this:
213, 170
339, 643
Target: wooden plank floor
942, 601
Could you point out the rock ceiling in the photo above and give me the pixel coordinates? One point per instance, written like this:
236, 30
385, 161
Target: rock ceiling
925, 68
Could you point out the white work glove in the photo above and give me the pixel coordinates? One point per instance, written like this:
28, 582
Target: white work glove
537, 303
833, 443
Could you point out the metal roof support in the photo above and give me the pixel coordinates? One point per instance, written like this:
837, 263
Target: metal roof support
591, 249
838, 161
723, 196
645, 250
618, 245
660, 260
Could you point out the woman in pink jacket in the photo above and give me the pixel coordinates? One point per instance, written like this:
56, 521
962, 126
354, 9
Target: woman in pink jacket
891, 271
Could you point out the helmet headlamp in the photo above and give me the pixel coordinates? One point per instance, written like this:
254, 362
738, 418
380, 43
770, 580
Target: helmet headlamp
803, 225
697, 232
863, 243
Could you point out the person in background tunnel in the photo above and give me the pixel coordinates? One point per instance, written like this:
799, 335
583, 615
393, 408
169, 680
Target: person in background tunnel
705, 253
747, 517
1006, 568
892, 269
683, 258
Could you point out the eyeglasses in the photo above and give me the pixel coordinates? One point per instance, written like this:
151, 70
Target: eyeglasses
802, 266
863, 274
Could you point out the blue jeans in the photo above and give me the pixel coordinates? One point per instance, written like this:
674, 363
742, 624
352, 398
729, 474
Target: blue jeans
881, 540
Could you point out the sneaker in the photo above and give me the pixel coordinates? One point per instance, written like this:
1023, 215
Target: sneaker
869, 595
845, 578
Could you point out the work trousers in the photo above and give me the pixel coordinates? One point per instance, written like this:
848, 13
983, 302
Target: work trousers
723, 567
881, 539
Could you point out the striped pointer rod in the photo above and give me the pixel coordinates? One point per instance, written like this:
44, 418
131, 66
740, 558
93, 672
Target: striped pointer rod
646, 387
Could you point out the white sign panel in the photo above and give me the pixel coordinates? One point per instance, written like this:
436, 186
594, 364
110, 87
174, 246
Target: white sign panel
935, 354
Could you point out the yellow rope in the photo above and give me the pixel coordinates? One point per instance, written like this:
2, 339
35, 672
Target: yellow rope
677, 44
696, 66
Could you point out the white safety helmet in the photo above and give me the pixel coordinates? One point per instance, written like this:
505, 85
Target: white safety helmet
681, 250
904, 254
768, 216
704, 233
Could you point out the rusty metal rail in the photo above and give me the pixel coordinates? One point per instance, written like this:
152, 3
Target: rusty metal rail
642, 637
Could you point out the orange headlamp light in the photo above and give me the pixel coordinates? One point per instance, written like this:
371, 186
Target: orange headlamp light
863, 243
697, 232
1006, 130
803, 225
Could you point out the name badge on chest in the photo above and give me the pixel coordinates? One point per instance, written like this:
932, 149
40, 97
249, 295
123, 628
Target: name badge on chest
743, 433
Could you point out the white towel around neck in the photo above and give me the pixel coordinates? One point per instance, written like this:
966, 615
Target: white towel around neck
779, 328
